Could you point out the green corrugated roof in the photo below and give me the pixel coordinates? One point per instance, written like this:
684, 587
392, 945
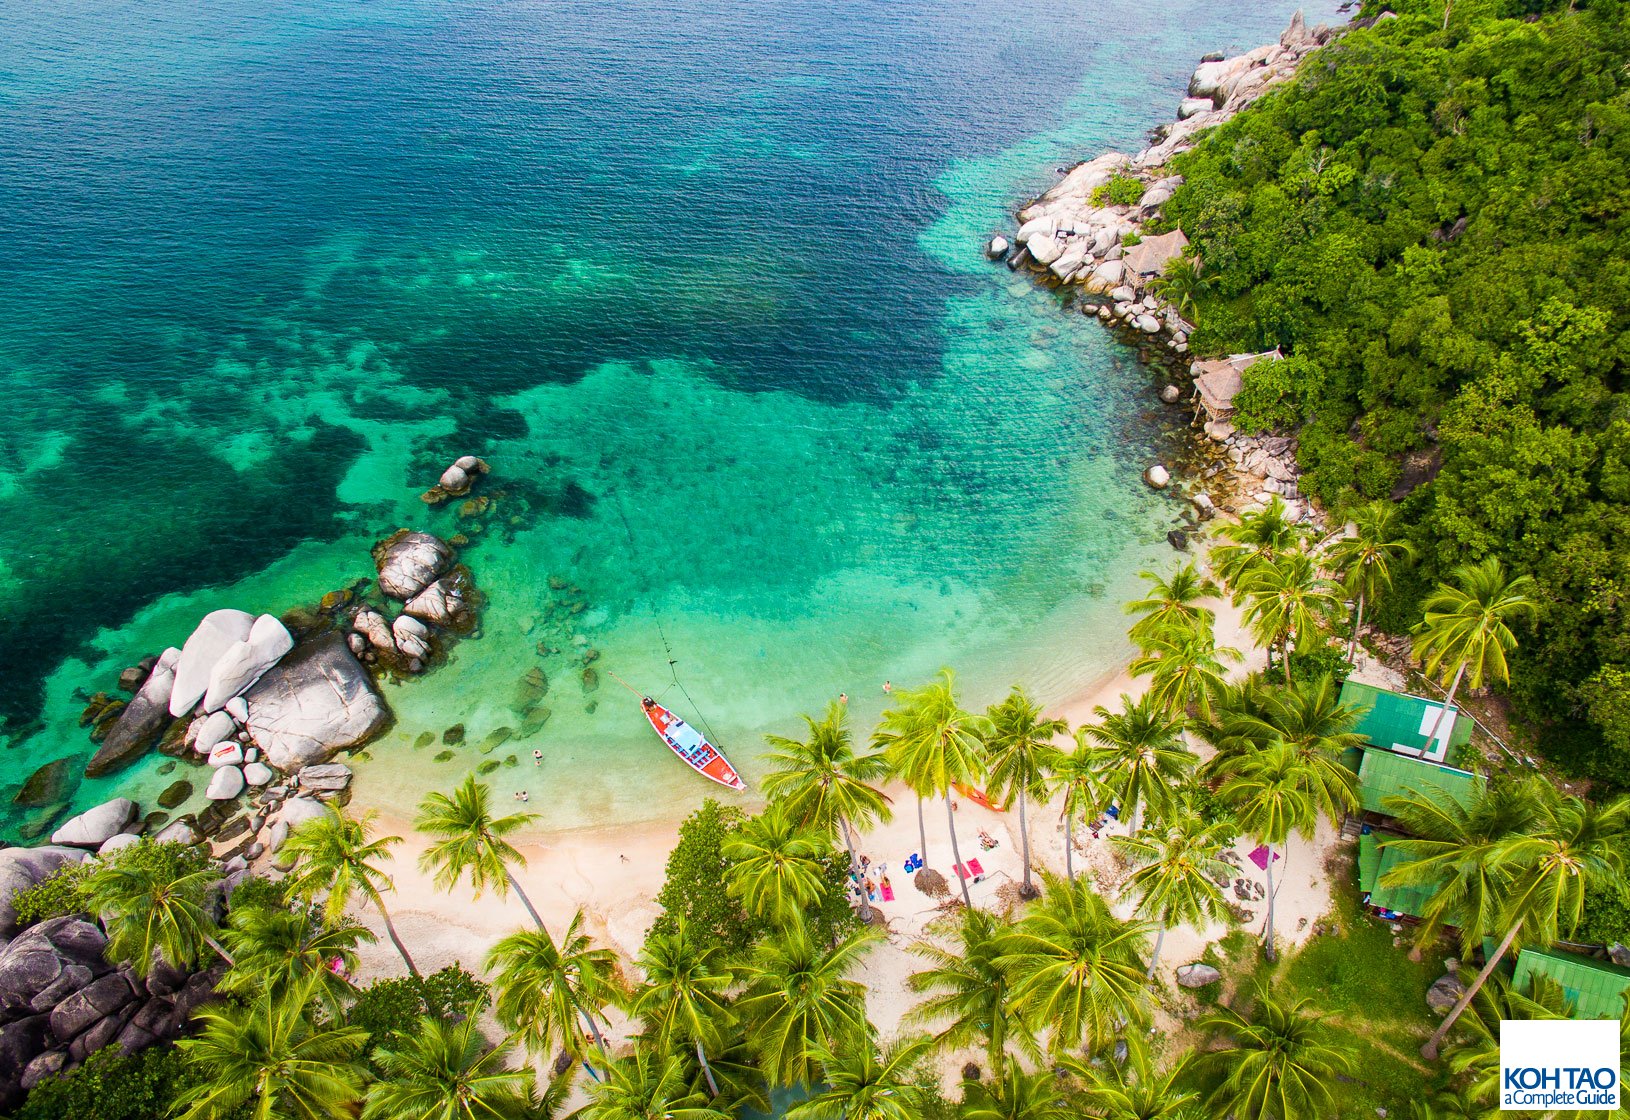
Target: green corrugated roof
1383, 774
1369, 861
1595, 989
1396, 720
1375, 859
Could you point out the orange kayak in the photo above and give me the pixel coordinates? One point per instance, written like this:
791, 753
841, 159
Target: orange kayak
693, 750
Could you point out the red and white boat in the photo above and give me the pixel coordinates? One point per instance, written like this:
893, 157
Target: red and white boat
693, 750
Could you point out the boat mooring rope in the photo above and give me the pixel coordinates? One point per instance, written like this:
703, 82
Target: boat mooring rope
673, 663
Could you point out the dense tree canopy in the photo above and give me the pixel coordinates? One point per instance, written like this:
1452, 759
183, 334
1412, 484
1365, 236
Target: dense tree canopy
1430, 221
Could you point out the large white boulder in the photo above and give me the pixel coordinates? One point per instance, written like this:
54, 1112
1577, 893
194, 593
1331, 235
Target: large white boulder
117, 841
411, 636
213, 730
443, 602
455, 480
297, 811
257, 774
1045, 248
315, 702
179, 831
242, 664
408, 562
147, 714
1193, 106
218, 632
92, 827
229, 753
226, 784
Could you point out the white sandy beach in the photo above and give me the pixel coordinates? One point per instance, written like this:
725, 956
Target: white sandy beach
613, 875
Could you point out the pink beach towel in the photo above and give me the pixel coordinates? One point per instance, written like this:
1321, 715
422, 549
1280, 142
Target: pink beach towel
1260, 857
888, 891
971, 871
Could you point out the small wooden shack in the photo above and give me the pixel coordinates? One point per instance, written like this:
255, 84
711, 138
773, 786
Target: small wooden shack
1218, 382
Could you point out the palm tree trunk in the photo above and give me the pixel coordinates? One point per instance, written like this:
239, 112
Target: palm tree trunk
1430, 1050
525, 901
1358, 622
860, 885
220, 951
956, 852
1069, 845
1154, 961
1284, 656
707, 1070
1026, 890
390, 931
1268, 944
599, 1039
1448, 702
922, 831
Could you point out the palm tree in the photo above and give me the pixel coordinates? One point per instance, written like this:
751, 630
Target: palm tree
447, 1071
865, 1084
932, 744
1575, 848
333, 856
1076, 968
1453, 848
1186, 669
275, 950
1178, 871
1271, 794
1132, 1088
270, 1056
471, 841
1179, 285
150, 908
1363, 561
827, 785
1255, 539
1017, 1096
545, 988
684, 999
1469, 627
775, 868
1278, 1064
800, 1001
1138, 754
1019, 748
647, 1086
1476, 1063
1172, 603
1076, 775
1286, 600
1308, 715
971, 986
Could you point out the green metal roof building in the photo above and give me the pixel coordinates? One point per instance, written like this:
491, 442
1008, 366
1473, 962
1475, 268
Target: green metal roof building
1375, 858
1382, 774
1595, 989
1397, 721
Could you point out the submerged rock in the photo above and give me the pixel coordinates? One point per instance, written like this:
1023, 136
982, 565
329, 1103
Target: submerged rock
175, 793
48, 785
315, 702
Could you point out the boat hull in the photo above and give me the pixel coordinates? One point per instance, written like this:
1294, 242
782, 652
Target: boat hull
690, 747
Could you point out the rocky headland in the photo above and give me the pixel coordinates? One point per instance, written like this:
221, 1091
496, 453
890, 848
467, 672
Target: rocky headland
259, 708
1093, 232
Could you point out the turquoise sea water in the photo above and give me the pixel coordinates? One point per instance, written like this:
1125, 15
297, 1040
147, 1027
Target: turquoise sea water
702, 281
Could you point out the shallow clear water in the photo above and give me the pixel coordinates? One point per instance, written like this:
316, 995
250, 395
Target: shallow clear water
702, 281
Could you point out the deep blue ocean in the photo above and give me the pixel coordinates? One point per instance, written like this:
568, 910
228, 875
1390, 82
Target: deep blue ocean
703, 281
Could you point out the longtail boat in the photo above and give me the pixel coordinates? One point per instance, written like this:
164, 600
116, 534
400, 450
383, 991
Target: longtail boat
688, 743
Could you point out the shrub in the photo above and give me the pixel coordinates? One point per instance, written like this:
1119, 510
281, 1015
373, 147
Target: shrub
114, 1086
1122, 190
388, 1008
62, 892
693, 886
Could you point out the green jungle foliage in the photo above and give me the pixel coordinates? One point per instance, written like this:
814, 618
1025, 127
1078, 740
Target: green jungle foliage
1122, 190
60, 892
694, 887
388, 1009
1433, 223
114, 1086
